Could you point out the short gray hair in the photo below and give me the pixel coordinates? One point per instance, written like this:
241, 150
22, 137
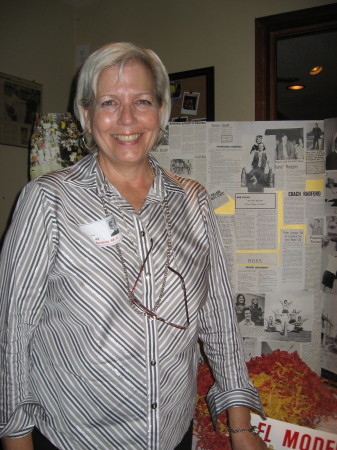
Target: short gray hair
118, 54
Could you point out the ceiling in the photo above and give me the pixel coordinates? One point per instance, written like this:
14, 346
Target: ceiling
295, 57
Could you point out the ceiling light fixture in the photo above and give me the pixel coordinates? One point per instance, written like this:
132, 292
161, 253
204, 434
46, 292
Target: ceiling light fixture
296, 87
316, 70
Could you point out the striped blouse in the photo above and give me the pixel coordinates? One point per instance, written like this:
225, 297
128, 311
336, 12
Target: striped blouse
77, 360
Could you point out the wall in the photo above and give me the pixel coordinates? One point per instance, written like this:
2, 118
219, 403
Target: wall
36, 43
38, 40
191, 34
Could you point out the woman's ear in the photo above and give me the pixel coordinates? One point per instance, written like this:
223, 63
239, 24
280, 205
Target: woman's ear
86, 115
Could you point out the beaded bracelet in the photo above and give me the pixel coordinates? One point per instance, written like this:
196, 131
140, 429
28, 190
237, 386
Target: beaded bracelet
252, 430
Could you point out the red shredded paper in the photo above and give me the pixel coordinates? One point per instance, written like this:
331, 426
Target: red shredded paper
290, 391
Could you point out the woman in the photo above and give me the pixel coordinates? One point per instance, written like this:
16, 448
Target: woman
121, 274
257, 313
240, 304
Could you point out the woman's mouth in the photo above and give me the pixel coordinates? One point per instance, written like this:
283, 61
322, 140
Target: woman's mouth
127, 137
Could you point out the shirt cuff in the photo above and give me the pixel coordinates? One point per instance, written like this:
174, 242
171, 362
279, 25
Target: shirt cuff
19, 434
19, 424
218, 402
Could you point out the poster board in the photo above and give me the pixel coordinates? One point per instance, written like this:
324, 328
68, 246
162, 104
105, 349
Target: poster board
274, 226
282, 435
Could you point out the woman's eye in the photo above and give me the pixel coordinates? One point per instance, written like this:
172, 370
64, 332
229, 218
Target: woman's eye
109, 103
144, 102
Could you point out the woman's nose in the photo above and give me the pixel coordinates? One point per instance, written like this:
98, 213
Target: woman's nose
126, 116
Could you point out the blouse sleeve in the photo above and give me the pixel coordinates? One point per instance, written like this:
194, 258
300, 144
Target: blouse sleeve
220, 335
24, 265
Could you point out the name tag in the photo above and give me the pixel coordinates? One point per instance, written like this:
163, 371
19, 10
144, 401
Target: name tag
103, 232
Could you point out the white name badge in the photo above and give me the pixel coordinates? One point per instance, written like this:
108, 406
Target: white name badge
103, 232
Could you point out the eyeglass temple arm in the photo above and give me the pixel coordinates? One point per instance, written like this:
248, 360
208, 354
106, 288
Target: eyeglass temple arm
142, 267
184, 289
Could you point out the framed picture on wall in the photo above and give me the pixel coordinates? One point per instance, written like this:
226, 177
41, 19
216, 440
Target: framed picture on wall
20, 101
192, 95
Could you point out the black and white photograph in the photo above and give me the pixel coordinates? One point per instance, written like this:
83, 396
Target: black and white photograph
330, 143
258, 172
315, 226
289, 316
315, 136
289, 143
181, 166
331, 226
329, 265
330, 190
329, 334
249, 309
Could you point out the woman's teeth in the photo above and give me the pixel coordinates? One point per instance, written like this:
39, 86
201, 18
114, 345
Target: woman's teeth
126, 137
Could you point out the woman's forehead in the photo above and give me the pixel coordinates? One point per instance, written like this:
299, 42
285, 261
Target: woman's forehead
133, 74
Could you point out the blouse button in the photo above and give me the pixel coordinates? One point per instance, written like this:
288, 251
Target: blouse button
153, 362
154, 405
142, 233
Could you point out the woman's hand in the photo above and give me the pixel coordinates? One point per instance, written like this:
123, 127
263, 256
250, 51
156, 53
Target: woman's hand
247, 441
24, 443
239, 419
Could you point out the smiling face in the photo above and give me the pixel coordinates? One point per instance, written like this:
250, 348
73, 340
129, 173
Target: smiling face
248, 315
125, 116
241, 299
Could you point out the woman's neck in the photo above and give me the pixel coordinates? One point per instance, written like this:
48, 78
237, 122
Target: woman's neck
132, 181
